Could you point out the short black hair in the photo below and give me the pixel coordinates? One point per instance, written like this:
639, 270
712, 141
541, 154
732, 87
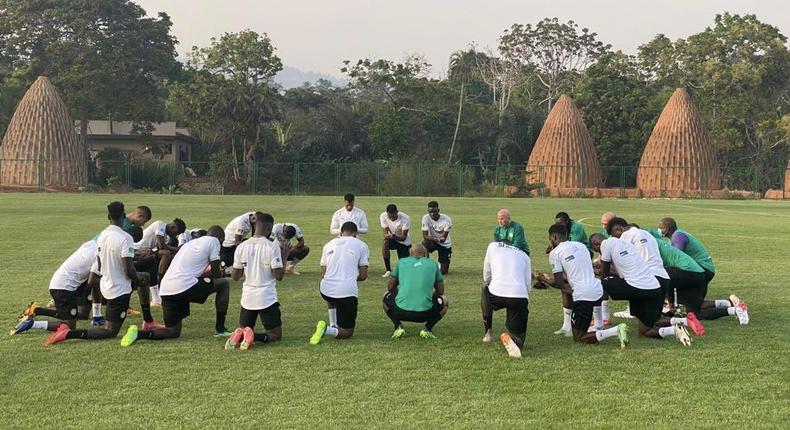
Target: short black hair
145, 210
115, 211
559, 230
348, 197
265, 218
563, 216
615, 221
289, 231
635, 225
348, 226
135, 232
392, 209
181, 226
433, 204
198, 233
670, 222
216, 231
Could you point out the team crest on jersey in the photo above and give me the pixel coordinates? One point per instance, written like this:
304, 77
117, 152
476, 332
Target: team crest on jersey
623, 253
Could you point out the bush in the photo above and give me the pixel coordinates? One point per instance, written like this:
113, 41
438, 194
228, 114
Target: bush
152, 175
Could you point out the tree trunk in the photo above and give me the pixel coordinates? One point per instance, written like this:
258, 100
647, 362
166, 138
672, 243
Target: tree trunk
457, 123
235, 160
84, 143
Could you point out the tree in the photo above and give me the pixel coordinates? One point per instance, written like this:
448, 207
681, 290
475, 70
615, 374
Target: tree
106, 57
557, 53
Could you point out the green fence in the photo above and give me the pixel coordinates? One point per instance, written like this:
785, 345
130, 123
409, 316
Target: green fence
369, 178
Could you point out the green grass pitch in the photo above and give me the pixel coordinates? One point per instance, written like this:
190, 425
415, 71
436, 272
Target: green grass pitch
733, 377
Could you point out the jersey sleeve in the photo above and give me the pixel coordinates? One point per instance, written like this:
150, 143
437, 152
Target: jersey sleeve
449, 224
239, 259
161, 229
363, 260
487, 266
276, 261
406, 224
383, 220
680, 240
520, 241
554, 262
362, 228
214, 252
324, 258
298, 234
425, 223
127, 247
606, 251
334, 226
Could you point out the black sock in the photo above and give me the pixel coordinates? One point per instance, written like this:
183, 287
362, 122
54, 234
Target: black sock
488, 321
219, 326
712, 313
76, 334
262, 337
387, 264
46, 312
146, 309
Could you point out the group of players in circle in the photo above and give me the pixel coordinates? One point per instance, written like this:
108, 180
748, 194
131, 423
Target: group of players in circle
657, 271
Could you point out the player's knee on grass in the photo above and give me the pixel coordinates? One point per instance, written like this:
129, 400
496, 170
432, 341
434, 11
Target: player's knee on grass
344, 333
275, 334
445, 305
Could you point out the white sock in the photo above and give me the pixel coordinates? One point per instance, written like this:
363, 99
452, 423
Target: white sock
566, 319
605, 309
721, 304
97, 310
603, 334
666, 331
676, 320
155, 294
332, 317
40, 325
598, 317
731, 311
331, 331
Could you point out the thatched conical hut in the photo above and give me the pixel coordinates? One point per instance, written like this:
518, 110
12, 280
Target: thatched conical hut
41, 147
678, 156
564, 156
787, 181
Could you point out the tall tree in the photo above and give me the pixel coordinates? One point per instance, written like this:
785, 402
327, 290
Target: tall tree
106, 57
557, 52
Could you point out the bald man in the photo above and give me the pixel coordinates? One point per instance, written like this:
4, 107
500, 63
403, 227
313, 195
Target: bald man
605, 218
510, 231
415, 293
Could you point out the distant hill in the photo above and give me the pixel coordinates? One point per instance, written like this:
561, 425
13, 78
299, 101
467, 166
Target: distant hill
291, 77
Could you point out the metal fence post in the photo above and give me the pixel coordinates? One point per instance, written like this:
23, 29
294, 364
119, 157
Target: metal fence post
378, 179
418, 191
337, 177
295, 178
460, 180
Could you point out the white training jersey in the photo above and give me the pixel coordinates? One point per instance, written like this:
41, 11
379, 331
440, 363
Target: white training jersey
156, 228
647, 247
507, 270
258, 257
342, 216
74, 271
628, 263
186, 236
397, 227
436, 228
188, 264
279, 234
113, 245
342, 257
573, 259
237, 226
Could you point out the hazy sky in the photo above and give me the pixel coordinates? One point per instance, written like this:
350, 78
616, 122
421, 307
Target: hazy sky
318, 35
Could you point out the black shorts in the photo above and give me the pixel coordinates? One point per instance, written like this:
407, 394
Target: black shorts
346, 308
645, 305
176, 307
226, 255
270, 317
690, 287
66, 302
517, 312
414, 316
401, 249
708, 276
582, 314
445, 254
151, 267
116, 308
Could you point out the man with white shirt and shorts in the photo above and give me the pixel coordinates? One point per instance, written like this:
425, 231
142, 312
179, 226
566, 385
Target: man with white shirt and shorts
507, 273
115, 262
436, 235
344, 262
235, 232
69, 290
282, 233
185, 283
395, 225
259, 261
572, 271
348, 213
637, 284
